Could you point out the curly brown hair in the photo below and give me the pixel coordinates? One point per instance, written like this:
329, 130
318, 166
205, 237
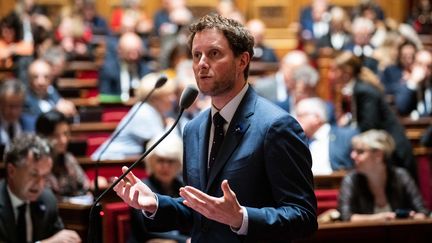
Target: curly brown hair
239, 38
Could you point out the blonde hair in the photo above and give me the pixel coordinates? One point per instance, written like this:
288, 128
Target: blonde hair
148, 82
375, 139
171, 148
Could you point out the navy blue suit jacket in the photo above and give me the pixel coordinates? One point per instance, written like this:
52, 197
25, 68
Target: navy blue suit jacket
266, 161
340, 147
109, 77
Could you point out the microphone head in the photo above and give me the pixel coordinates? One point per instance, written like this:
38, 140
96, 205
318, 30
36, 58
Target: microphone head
161, 81
188, 96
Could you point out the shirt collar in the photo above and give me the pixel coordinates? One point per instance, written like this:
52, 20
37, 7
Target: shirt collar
16, 202
227, 112
322, 132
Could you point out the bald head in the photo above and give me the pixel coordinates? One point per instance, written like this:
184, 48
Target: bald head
130, 47
290, 62
423, 58
257, 28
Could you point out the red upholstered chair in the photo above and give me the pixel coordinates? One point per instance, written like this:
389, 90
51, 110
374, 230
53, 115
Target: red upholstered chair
116, 222
326, 199
425, 179
114, 114
94, 141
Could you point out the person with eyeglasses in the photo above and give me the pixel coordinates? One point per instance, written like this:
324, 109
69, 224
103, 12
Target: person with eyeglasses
376, 190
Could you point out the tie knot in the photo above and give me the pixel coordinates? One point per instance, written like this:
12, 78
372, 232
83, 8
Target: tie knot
22, 206
218, 120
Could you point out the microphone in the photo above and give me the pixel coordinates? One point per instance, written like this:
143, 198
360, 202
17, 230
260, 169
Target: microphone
186, 99
159, 83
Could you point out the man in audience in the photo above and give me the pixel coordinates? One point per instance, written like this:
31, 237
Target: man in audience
278, 87
121, 73
28, 211
12, 95
262, 52
330, 146
314, 20
42, 96
414, 96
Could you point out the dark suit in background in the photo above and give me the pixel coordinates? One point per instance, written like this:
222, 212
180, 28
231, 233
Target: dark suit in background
373, 112
340, 147
45, 219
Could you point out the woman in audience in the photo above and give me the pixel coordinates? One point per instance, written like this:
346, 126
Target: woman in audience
68, 178
150, 119
164, 166
375, 190
364, 106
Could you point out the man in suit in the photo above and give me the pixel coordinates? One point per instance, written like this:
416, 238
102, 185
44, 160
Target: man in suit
12, 95
279, 87
120, 74
42, 96
28, 211
258, 186
414, 94
330, 145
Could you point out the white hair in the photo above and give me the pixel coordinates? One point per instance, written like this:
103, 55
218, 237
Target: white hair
314, 106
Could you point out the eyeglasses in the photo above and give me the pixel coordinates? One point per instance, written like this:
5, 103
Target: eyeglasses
359, 150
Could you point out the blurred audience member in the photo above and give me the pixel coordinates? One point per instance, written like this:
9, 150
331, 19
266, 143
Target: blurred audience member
421, 17
12, 95
314, 20
363, 106
377, 191
120, 74
368, 9
339, 35
41, 95
394, 74
130, 17
262, 52
362, 32
29, 210
96, 22
228, 9
68, 178
164, 165
280, 86
146, 120
414, 96
330, 145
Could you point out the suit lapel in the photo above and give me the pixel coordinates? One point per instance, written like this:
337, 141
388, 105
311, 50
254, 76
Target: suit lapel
7, 218
237, 128
204, 132
37, 210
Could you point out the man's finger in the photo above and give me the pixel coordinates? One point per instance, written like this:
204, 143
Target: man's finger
228, 193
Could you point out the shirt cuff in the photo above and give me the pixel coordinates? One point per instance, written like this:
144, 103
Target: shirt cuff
245, 224
153, 214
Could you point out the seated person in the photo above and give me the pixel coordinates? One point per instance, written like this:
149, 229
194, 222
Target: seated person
28, 164
12, 95
262, 52
121, 71
68, 178
376, 190
41, 95
146, 120
330, 145
164, 166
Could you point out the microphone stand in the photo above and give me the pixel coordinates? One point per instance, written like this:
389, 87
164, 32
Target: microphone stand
139, 160
96, 224
96, 189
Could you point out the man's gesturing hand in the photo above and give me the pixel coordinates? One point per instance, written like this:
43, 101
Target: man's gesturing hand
225, 209
135, 193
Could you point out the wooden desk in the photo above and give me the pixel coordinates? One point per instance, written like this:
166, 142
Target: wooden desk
87, 127
75, 83
75, 217
401, 230
331, 181
94, 101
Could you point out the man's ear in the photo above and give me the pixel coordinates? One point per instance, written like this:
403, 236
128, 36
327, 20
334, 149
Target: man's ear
244, 59
10, 170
